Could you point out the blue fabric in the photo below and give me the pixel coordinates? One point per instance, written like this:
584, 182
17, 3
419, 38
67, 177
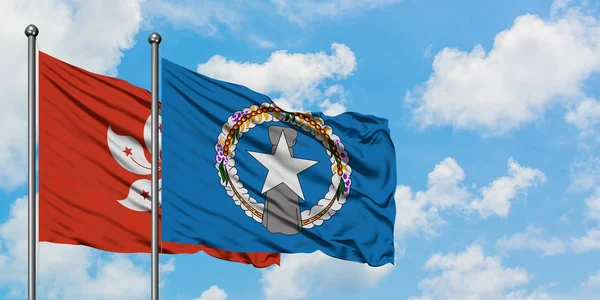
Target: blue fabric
198, 210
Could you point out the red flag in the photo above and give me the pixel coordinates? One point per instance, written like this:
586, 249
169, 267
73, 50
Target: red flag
94, 165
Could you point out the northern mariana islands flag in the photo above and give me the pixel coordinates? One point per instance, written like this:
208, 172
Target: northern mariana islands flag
241, 174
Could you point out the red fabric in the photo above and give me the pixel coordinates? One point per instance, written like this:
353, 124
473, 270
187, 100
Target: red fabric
80, 181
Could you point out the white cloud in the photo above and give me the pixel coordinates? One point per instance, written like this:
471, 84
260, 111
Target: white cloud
116, 278
331, 109
301, 275
427, 53
214, 18
260, 42
496, 197
420, 211
66, 271
525, 295
593, 282
593, 206
74, 31
301, 11
443, 185
296, 78
213, 293
585, 116
211, 17
585, 175
204, 16
472, 275
532, 66
168, 266
415, 214
559, 6
532, 239
589, 242
334, 100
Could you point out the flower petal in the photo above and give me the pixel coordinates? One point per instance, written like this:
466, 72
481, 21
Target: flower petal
128, 152
136, 201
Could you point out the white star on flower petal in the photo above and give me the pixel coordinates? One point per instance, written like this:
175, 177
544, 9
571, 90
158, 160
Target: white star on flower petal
283, 168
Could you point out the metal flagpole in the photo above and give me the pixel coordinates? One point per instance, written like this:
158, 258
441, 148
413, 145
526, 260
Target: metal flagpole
31, 32
154, 41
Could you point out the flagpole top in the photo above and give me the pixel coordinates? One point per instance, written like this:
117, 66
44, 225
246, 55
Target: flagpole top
154, 38
32, 30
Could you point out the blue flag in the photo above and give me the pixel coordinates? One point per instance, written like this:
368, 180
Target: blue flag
244, 175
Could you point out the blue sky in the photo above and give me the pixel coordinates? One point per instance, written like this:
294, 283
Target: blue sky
492, 108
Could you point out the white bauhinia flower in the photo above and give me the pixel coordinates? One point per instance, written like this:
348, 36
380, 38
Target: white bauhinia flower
129, 153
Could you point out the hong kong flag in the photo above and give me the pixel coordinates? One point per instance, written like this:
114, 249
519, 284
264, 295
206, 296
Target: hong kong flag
94, 165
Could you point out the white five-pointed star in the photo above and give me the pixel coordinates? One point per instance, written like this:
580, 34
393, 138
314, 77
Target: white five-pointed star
283, 168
